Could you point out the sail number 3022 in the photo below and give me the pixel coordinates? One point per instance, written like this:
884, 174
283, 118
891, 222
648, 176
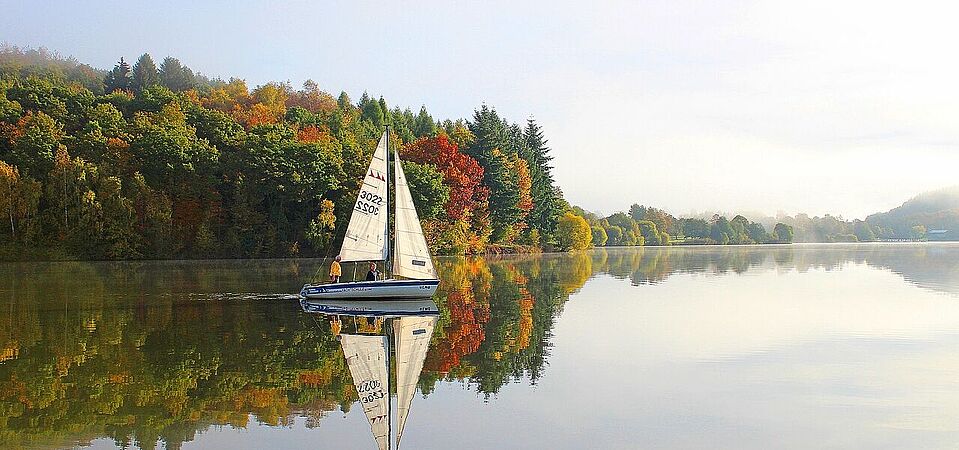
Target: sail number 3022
369, 203
370, 390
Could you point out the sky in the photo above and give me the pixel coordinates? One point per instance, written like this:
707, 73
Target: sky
845, 108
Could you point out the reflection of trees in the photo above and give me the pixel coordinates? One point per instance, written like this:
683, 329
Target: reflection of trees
501, 312
92, 361
82, 357
930, 266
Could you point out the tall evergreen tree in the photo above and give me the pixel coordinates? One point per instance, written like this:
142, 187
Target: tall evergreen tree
343, 101
490, 147
176, 76
423, 125
145, 73
371, 110
387, 117
545, 211
118, 78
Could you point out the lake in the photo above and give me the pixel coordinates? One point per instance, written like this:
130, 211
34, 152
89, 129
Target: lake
795, 346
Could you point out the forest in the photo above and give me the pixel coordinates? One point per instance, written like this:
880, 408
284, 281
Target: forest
156, 161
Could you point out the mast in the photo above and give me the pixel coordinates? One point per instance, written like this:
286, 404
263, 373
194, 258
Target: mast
389, 241
389, 398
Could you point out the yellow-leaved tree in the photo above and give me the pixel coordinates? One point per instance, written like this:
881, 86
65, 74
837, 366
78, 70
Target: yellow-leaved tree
573, 232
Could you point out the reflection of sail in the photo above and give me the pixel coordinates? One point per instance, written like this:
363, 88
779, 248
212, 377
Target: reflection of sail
368, 360
412, 338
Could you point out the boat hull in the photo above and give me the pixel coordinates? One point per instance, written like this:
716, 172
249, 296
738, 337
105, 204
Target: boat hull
380, 308
380, 289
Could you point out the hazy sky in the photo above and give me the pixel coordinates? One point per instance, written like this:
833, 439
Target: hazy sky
817, 106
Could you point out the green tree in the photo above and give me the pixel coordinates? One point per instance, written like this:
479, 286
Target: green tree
426, 186
721, 231
175, 76
490, 147
145, 73
423, 124
739, 225
651, 234
118, 78
371, 111
757, 232
599, 235
863, 231
783, 233
36, 138
697, 228
631, 232
546, 208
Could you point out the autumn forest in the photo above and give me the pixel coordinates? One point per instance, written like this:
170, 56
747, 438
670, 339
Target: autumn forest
156, 161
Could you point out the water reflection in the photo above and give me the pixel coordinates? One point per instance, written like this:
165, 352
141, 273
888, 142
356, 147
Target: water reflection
150, 353
377, 326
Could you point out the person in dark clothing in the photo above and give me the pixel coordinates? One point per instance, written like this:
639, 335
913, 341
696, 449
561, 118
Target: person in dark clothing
372, 275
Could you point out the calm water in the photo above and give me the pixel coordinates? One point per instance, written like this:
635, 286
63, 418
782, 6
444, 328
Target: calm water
827, 346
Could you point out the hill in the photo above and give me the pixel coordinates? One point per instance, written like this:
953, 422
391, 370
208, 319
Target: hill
934, 214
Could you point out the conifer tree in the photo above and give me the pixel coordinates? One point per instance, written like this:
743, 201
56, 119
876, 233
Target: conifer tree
545, 211
176, 76
490, 148
371, 110
118, 78
145, 73
423, 125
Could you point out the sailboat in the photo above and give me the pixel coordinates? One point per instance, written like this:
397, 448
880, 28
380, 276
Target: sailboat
367, 357
368, 238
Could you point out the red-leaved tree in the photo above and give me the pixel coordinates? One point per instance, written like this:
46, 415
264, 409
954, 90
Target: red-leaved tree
460, 172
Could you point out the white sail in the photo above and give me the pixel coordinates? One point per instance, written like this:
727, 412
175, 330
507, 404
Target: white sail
366, 235
367, 358
412, 335
411, 256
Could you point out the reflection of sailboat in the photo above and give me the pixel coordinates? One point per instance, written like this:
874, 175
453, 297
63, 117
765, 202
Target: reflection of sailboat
366, 307
412, 335
367, 356
367, 238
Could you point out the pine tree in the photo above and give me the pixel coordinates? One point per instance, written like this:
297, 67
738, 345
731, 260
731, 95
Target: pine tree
145, 73
118, 78
371, 110
344, 101
490, 148
176, 76
545, 211
423, 125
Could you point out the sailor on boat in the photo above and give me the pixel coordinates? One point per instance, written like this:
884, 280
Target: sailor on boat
368, 239
335, 270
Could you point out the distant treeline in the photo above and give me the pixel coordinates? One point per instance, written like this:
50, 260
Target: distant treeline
644, 225
158, 161
928, 216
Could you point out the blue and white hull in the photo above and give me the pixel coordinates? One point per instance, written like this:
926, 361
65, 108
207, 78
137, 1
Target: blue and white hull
380, 289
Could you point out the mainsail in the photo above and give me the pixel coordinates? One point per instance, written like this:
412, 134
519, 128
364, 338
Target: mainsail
369, 365
411, 256
412, 335
366, 235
